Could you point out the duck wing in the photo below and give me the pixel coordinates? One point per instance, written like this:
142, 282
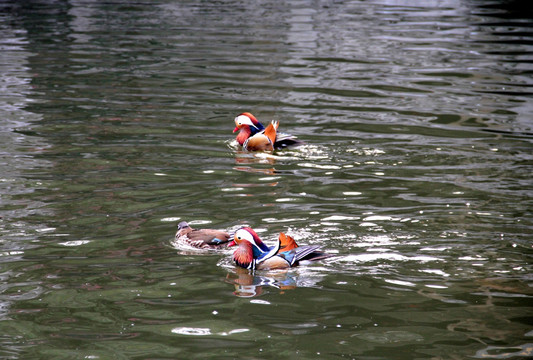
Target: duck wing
209, 236
284, 140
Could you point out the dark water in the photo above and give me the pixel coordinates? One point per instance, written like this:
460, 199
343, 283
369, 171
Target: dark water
115, 123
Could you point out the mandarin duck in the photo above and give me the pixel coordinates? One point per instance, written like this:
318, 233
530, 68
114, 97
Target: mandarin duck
201, 238
253, 136
253, 254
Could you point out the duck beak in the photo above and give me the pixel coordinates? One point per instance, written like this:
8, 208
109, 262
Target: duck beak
232, 243
236, 129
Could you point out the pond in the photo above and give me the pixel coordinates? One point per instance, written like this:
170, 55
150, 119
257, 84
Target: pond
415, 175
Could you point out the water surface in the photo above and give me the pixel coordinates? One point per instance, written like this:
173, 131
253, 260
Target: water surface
116, 122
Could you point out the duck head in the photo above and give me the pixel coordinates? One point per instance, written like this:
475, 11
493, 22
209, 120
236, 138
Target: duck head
247, 119
183, 228
248, 126
246, 236
250, 247
183, 225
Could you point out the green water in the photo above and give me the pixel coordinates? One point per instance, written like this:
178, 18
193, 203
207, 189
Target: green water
116, 123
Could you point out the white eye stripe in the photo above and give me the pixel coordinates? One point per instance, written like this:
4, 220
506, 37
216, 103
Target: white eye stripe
244, 236
244, 120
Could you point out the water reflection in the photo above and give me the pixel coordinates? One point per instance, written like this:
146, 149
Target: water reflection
18, 150
416, 173
253, 284
243, 159
247, 284
506, 352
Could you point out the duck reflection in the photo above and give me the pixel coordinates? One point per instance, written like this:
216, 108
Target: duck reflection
248, 284
243, 159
